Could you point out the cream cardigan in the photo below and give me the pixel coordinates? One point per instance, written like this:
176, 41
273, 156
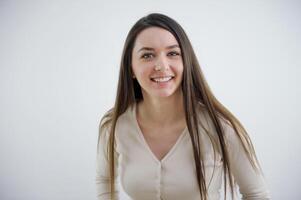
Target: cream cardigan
141, 176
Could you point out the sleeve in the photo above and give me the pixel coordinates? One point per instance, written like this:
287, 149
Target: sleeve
102, 168
252, 185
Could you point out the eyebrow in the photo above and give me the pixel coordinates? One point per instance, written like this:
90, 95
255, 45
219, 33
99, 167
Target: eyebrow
152, 49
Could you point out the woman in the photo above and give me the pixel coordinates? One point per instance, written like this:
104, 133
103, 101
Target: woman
167, 136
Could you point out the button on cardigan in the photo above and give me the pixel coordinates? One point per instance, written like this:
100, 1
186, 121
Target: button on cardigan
141, 176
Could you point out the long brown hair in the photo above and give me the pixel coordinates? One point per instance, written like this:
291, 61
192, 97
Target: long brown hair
195, 91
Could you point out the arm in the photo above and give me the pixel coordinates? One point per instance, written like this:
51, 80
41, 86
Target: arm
102, 168
251, 184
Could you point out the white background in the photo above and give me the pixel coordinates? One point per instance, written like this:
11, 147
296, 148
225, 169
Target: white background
59, 63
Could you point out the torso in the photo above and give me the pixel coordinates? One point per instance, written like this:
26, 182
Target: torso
143, 177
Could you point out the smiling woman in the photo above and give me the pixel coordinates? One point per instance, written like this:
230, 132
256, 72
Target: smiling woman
157, 63
167, 136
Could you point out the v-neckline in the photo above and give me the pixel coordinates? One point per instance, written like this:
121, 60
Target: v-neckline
140, 133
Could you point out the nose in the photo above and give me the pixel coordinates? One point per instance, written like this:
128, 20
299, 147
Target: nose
161, 63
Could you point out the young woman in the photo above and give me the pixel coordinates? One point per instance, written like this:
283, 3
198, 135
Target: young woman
167, 136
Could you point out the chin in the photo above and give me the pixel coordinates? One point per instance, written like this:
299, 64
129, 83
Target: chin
164, 94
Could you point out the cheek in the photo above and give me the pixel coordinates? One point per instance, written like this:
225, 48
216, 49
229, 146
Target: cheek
136, 67
141, 71
178, 69
181, 68
177, 65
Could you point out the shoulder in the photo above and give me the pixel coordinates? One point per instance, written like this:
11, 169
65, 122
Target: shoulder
106, 122
205, 118
125, 122
127, 117
207, 125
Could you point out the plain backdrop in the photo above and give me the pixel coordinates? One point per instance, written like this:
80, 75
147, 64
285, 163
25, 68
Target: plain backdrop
59, 64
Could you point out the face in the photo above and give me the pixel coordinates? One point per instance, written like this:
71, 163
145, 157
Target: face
157, 63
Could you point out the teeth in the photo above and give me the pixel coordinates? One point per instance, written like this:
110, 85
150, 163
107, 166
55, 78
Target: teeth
165, 79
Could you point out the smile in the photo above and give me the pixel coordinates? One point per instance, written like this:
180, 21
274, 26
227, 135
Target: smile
162, 79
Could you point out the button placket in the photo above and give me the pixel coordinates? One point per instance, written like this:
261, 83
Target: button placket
159, 180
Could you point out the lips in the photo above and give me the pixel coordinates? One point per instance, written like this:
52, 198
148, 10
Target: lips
162, 79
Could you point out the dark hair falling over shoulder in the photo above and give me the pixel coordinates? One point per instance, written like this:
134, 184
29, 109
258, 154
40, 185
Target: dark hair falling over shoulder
195, 92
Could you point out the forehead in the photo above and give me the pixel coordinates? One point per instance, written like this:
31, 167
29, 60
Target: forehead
155, 37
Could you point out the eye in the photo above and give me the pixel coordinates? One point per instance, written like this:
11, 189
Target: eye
174, 53
147, 56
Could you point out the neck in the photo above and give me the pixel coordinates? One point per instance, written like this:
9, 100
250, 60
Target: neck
163, 111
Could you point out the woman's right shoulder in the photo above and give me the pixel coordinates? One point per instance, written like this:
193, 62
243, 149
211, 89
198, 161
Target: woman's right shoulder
105, 122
